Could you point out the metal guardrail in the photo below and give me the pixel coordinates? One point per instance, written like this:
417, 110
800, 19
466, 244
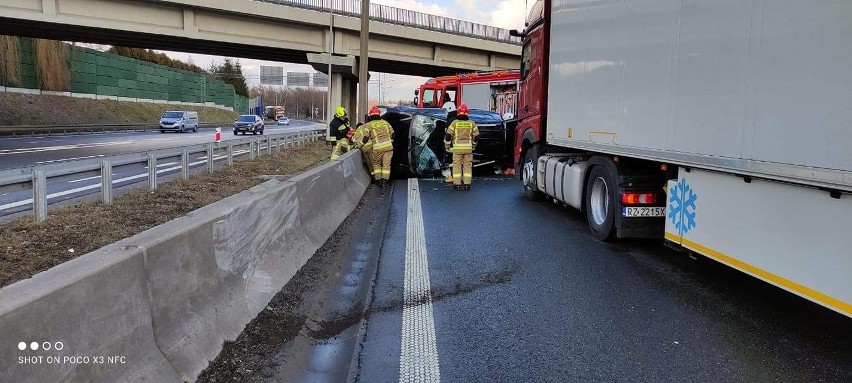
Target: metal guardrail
405, 17
34, 130
36, 177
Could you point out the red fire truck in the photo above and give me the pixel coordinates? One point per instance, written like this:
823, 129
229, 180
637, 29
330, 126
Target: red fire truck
495, 91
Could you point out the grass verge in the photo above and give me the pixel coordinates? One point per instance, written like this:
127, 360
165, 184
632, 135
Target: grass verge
30, 109
27, 248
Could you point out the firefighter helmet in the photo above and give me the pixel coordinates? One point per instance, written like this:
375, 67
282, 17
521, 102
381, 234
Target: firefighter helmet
340, 112
463, 110
374, 111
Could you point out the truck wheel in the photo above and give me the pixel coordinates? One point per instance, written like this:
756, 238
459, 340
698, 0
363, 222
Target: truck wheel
600, 203
528, 175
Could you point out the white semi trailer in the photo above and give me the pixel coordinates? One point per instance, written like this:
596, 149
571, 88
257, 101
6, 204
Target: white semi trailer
722, 126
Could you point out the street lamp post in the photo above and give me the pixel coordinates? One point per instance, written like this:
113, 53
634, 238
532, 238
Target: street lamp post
328, 110
363, 72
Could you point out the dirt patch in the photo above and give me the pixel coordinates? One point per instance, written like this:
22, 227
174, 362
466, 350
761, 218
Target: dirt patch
28, 109
331, 328
27, 248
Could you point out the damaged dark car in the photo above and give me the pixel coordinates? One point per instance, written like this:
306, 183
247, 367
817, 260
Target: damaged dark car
419, 142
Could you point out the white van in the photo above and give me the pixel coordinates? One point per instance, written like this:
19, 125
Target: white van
179, 121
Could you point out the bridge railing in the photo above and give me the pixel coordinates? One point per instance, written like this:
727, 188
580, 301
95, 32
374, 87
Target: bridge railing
405, 17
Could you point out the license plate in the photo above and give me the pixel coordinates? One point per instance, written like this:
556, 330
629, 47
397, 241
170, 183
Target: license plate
644, 212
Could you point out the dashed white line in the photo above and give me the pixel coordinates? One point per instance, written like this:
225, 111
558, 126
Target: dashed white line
4, 152
418, 359
163, 164
86, 179
68, 159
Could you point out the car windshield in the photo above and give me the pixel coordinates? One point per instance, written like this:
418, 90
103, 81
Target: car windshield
172, 115
246, 119
282, 118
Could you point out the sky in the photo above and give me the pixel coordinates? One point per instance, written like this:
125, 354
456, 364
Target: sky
509, 14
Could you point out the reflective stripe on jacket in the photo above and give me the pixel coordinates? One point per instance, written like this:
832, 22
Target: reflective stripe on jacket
381, 133
358, 138
338, 128
464, 134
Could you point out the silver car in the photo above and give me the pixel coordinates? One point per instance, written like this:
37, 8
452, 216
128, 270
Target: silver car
179, 121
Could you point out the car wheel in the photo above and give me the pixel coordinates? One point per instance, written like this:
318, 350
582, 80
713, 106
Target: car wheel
600, 203
162, 131
528, 175
195, 129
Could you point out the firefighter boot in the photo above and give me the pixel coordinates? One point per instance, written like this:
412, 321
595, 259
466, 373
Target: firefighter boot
456, 187
466, 187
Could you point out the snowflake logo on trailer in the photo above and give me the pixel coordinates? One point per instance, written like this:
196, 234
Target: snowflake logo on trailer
682, 207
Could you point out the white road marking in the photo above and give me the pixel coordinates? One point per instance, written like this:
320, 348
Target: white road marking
5, 152
418, 359
120, 180
69, 159
86, 179
163, 164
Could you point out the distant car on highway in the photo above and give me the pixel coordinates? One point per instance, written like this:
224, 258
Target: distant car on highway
248, 123
283, 121
179, 121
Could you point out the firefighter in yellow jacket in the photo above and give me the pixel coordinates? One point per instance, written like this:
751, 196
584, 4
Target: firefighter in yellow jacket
366, 146
380, 132
462, 136
339, 128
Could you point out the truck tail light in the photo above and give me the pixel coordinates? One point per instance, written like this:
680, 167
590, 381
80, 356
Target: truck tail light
638, 198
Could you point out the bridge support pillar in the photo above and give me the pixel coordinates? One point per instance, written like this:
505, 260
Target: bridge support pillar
343, 81
344, 93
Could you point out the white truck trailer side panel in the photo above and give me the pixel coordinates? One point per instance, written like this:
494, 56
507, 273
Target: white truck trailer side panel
757, 87
794, 237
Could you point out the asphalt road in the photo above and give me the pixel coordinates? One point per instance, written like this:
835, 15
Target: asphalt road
34, 151
18, 152
521, 292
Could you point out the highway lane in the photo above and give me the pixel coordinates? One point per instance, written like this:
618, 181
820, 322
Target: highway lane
28, 151
45, 150
519, 291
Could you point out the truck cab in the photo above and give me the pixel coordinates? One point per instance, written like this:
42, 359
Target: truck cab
532, 96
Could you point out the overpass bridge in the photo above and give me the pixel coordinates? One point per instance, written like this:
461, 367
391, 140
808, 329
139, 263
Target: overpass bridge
296, 31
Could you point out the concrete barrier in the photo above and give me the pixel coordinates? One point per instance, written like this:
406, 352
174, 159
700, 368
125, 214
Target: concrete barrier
96, 305
165, 300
